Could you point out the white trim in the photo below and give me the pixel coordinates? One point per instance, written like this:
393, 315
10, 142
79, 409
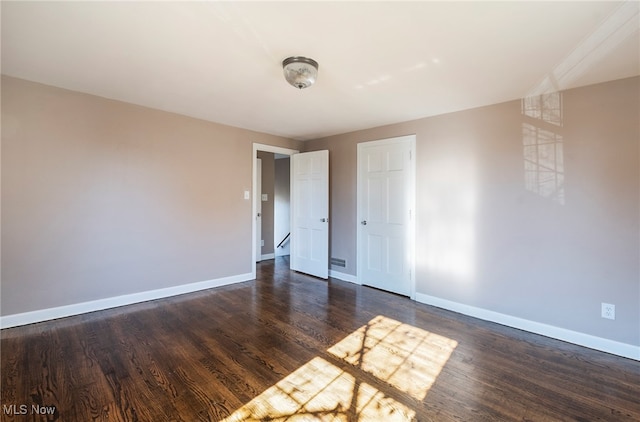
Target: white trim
268, 148
257, 190
344, 277
114, 302
598, 343
268, 256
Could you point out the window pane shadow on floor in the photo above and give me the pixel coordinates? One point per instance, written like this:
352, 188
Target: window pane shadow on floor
406, 358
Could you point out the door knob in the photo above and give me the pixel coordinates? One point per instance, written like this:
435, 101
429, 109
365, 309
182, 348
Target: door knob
324, 220
363, 222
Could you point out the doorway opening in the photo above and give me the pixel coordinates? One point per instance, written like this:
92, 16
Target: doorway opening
271, 206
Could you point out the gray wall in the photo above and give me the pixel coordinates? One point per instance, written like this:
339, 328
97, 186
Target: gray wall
282, 194
102, 198
268, 186
531, 216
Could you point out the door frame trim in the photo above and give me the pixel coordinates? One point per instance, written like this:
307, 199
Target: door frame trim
258, 208
411, 230
254, 180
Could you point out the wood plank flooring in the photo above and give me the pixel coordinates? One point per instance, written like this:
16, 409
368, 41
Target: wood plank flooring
292, 347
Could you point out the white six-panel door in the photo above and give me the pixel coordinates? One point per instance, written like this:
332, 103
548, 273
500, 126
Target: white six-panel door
310, 213
385, 221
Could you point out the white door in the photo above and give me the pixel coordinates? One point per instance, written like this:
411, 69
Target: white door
310, 213
258, 215
385, 222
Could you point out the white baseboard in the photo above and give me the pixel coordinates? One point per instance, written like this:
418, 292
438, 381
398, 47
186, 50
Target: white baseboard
610, 346
14, 320
268, 256
344, 277
587, 340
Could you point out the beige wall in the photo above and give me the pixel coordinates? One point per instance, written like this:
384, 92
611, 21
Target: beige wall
102, 198
545, 233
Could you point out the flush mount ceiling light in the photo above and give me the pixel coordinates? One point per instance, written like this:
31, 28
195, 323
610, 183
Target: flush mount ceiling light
300, 72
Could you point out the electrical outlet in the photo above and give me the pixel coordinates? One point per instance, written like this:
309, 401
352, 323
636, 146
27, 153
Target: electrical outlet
608, 311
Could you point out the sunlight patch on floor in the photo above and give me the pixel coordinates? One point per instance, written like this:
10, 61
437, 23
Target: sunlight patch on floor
321, 391
405, 357
408, 358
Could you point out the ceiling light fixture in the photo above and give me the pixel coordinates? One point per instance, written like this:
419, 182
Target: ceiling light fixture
300, 72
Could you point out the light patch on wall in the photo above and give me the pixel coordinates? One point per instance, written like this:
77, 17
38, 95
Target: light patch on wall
449, 245
543, 146
545, 107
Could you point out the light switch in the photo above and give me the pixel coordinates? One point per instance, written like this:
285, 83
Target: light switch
265, 197
246, 194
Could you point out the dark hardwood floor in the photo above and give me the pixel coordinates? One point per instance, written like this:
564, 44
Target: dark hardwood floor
292, 347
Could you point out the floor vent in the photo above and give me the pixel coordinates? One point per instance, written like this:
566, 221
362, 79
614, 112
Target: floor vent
338, 262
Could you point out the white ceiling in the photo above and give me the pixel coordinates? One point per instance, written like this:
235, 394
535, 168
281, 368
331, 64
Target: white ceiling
380, 62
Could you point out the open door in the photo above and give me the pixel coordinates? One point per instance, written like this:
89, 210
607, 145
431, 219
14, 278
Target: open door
310, 213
